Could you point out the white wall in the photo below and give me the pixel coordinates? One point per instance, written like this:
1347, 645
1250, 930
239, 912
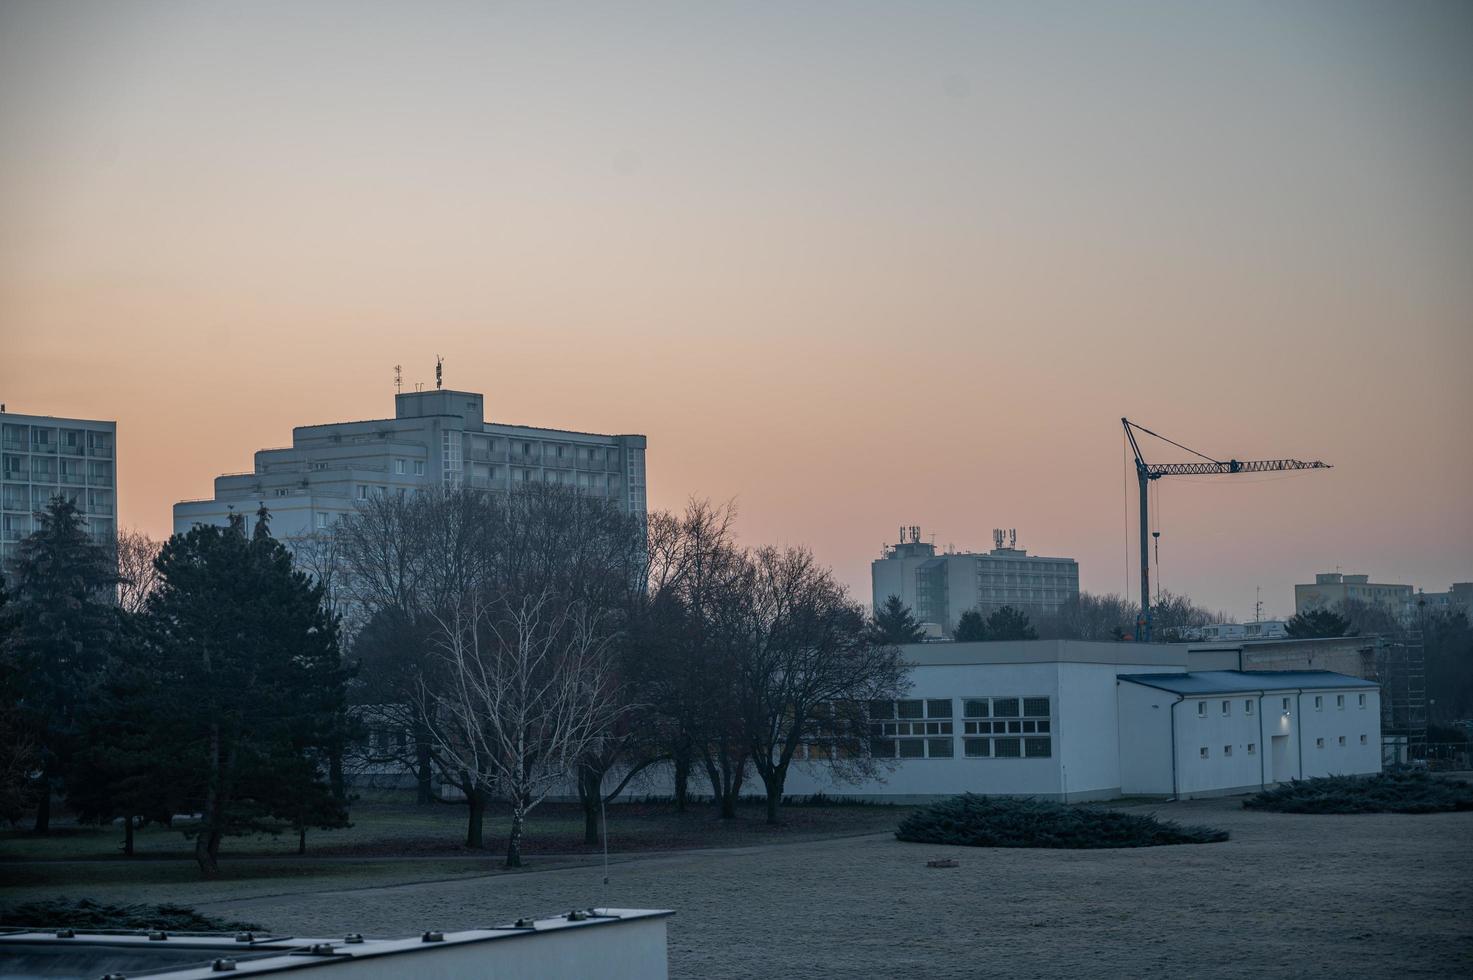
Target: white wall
1331, 723
1145, 739
1234, 744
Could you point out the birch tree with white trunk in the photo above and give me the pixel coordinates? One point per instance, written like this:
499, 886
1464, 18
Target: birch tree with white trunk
531, 688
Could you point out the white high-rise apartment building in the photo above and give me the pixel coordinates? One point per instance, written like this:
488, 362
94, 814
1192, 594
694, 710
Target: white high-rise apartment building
43, 457
436, 438
938, 588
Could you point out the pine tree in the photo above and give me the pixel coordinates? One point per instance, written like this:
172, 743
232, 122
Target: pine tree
894, 623
1317, 623
970, 627
61, 629
250, 685
1008, 623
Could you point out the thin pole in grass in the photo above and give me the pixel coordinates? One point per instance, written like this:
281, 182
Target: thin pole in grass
603, 818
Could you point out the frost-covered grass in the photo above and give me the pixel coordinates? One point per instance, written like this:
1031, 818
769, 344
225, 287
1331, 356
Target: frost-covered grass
980, 821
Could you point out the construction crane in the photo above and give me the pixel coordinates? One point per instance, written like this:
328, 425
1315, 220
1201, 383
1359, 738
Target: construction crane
1146, 472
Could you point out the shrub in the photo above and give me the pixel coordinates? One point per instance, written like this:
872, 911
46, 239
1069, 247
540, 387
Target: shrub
979, 821
1388, 792
87, 914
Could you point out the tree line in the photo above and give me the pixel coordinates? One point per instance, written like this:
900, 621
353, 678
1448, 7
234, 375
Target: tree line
531, 644
539, 640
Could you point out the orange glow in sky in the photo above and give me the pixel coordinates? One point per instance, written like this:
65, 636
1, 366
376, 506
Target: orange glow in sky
856, 266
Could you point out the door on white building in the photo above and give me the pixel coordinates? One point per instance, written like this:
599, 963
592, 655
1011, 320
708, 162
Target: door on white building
1280, 757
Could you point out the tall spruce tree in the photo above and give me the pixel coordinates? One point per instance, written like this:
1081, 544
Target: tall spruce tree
894, 624
1007, 623
62, 625
970, 627
250, 685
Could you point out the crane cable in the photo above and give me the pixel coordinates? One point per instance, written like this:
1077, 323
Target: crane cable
1175, 443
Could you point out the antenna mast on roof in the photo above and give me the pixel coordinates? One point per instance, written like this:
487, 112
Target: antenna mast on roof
439, 371
398, 379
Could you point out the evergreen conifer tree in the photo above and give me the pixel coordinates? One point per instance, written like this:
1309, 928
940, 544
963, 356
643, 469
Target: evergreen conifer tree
61, 629
971, 627
250, 685
1008, 623
894, 623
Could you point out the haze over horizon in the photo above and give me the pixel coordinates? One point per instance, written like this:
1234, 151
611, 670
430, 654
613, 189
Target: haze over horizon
854, 266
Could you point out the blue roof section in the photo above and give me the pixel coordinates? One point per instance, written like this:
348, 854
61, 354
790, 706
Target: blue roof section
1239, 681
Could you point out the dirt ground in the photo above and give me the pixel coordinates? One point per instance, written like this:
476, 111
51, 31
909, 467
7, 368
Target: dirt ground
1288, 896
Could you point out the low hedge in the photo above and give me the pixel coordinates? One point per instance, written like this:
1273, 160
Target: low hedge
980, 821
86, 914
1388, 792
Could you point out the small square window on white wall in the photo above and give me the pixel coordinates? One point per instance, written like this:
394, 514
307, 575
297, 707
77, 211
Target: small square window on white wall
1363, 740
322, 520
1227, 708
419, 467
1286, 704
1342, 739
1319, 743
1227, 750
1202, 713
1339, 700
1319, 702
1252, 748
1361, 700
1248, 706
1202, 753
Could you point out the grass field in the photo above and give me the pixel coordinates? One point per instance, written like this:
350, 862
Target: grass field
393, 842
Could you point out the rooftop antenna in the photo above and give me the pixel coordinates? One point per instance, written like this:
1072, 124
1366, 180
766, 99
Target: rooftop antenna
1013, 538
398, 379
439, 371
997, 538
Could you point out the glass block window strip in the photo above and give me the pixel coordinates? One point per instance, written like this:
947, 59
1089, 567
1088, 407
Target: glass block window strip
1007, 728
912, 729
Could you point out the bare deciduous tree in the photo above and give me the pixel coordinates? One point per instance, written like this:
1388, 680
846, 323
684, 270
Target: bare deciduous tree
810, 666
531, 689
137, 575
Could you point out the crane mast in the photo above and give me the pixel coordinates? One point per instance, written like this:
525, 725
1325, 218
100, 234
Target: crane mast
1146, 472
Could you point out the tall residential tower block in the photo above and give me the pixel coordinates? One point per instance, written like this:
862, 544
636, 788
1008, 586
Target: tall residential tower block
436, 438
43, 457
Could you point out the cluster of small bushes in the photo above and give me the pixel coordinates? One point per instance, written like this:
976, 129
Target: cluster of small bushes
66, 913
980, 821
1388, 792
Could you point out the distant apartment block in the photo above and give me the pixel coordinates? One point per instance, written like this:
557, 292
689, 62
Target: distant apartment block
938, 588
436, 438
1457, 599
1332, 589
42, 457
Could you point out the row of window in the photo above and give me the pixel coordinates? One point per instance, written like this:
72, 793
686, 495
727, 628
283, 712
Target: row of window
992, 728
1319, 704
42, 439
35, 498
1227, 750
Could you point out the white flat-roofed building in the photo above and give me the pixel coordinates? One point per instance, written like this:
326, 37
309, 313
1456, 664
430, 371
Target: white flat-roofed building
436, 438
42, 457
1072, 720
1218, 732
939, 587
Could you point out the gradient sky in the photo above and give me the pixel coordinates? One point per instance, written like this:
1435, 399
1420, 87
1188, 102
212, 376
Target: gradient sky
855, 265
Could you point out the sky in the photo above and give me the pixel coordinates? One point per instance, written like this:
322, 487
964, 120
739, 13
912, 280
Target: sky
854, 266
